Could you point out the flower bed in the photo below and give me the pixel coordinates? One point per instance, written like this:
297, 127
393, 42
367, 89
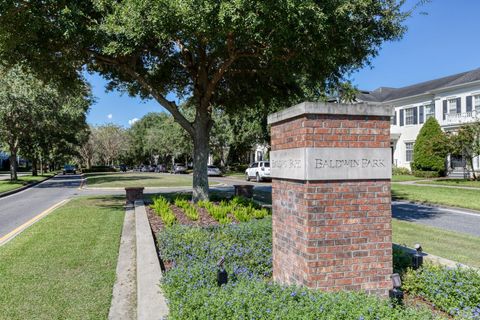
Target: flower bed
456, 291
192, 292
237, 209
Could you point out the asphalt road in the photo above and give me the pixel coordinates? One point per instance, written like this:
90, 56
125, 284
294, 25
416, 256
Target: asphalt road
458, 220
19, 208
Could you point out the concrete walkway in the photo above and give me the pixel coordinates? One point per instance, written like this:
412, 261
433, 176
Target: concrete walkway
137, 293
419, 183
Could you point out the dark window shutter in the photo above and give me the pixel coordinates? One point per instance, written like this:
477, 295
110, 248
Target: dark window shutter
415, 115
445, 108
394, 120
469, 103
420, 114
459, 105
402, 117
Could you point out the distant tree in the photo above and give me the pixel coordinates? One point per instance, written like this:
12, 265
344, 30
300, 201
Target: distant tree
111, 142
217, 53
467, 143
431, 148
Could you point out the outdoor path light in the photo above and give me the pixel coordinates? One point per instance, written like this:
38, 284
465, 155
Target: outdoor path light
396, 294
417, 258
222, 275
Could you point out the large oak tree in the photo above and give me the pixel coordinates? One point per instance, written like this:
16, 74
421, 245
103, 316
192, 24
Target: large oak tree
216, 53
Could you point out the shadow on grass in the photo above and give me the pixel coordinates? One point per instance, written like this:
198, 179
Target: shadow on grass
109, 202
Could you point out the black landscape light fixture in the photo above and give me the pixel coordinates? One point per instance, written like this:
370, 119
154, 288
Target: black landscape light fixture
222, 275
396, 294
417, 258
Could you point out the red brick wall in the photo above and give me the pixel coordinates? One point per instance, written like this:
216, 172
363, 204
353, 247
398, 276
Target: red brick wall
332, 235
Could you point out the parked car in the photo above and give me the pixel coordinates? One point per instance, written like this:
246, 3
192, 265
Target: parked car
68, 168
214, 171
259, 171
161, 168
179, 168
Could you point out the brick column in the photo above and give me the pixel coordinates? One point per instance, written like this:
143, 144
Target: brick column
331, 165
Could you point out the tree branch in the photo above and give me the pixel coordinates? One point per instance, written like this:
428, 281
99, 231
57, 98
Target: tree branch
169, 105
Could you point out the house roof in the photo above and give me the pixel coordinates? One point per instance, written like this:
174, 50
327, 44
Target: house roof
385, 94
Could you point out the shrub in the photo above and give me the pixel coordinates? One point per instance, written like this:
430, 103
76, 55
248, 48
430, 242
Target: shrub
453, 290
188, 208
161, 206
192, 292
99, 169
219, 213
426, 174
430, 148
400, 171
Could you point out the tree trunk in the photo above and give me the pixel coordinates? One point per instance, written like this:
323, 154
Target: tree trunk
34, 167
13, 166
200, 157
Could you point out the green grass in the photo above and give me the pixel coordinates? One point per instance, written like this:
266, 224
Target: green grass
404, 177
63, 267
455, 246
454, 182
138, 179
462, 198
7, 185
236, 175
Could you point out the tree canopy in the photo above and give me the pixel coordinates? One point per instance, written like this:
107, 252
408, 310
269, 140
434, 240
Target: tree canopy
37, 119
466, 143
226, 54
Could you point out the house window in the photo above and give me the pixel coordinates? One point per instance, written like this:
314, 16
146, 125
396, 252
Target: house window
452, 106
408, 151
477, 102
429, 111
409, 116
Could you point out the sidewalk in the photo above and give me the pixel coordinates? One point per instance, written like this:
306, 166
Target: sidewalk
137, 293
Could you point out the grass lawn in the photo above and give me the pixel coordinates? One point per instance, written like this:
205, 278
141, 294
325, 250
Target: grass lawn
63, 267
236, 175
463, 198
138, 179
405, 177
454, 182
455, 246
7, 185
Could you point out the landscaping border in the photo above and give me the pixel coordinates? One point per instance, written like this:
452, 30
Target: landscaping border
151, 303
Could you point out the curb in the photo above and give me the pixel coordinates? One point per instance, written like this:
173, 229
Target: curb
123, 306
435, 259
151, 303
25, 187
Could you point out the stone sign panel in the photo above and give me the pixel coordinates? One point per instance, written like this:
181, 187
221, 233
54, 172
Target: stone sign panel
331, 163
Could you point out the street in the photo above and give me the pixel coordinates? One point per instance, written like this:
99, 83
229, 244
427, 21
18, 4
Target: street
18, 208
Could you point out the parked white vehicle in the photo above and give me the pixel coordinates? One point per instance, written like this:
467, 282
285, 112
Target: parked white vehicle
259, 171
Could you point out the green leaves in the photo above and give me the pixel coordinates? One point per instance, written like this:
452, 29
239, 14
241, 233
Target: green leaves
430, 148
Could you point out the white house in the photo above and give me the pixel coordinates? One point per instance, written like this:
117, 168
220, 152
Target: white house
452, 100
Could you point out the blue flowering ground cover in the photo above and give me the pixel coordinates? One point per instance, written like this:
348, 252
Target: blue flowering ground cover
192, 292
453, 290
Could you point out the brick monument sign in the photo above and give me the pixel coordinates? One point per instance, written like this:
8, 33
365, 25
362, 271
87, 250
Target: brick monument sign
331, 170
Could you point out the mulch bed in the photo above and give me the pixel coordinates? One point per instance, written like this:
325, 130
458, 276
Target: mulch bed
205, 219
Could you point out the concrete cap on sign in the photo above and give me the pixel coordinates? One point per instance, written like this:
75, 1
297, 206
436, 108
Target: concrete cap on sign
360, 109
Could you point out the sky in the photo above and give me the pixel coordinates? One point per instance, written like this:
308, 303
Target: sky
443, 41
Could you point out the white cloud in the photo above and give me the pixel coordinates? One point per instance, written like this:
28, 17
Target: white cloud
110, 116
132, 121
